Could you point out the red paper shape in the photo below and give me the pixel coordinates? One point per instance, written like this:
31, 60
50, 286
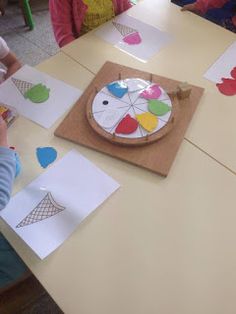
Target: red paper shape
227, 87
127, 125
233, 73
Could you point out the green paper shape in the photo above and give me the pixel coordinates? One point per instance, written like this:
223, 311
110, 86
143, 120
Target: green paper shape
38, 93
158, 107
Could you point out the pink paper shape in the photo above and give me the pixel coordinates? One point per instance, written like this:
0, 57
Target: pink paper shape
133, 39
152, 92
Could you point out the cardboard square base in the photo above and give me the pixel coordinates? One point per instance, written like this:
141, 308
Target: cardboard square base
158, 156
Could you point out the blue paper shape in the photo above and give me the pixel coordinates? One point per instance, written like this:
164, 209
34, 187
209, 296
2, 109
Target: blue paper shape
117, 89
46, 156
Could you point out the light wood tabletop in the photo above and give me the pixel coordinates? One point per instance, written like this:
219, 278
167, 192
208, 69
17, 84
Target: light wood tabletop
157, 245
196, 44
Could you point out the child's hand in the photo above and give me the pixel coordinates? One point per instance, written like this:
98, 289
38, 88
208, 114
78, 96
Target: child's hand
189, 7
3, 132
11, 63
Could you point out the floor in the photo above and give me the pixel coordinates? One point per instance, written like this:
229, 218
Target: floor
27, 297
31, 47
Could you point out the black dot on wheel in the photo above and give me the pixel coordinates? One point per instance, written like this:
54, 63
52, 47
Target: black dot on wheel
105, 102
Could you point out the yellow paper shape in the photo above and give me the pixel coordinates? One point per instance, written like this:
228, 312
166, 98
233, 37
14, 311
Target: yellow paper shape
148, 121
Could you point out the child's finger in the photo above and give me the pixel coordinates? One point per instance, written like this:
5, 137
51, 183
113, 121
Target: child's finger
185, 8
2, 122
189, 7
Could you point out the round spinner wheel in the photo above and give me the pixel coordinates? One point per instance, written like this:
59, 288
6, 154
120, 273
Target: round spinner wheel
131, 112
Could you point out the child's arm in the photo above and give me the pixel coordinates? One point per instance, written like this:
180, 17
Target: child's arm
202, 6
7, 166
234, 20
8, 58
11, 63
62, 21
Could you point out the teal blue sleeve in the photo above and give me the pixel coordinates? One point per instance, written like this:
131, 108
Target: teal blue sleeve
7, 174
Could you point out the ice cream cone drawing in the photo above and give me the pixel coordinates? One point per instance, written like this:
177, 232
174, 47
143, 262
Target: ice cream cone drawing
37, 93
130, 35
22, 86
45, 209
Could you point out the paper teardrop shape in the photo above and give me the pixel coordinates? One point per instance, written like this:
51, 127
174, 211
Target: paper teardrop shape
147, 121
233, 73
117, 89
133, 39
152, 92
38, 93
158, 107
46, 155
127, 125
227, 87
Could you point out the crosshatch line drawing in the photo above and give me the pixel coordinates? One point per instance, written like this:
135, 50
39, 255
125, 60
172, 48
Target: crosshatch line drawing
45, 209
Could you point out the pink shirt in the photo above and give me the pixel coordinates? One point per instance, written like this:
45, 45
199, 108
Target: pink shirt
67, 17
204, 5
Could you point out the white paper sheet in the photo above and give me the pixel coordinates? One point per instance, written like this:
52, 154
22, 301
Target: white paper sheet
74, 183
62, 97
152, 38
223, 66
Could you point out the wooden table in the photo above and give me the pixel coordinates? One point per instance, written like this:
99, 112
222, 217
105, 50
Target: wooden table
157, 245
